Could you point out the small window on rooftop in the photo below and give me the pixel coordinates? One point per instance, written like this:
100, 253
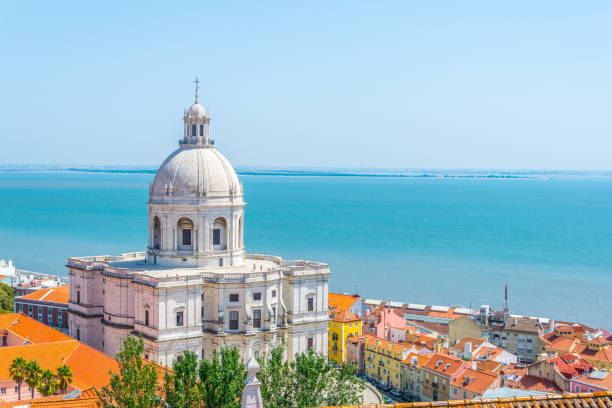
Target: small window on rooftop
233, 297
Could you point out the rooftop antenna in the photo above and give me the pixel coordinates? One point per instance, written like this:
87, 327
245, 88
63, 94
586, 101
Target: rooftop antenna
506, 299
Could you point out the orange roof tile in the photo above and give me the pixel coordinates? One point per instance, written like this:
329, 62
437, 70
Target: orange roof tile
340, 301
57, 295
70, 403
603, 380
444, 364
475, 381
35, 331
460, 345
91, 367
343, 316
594, 399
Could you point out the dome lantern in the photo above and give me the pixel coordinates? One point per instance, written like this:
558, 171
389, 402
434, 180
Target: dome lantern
197, 121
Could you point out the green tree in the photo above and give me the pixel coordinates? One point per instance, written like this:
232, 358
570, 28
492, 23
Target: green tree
136, 384
181, 386
222, 379
6, 298
63, 375
275, 376
311, 380
18, 373
47, 383
33, 371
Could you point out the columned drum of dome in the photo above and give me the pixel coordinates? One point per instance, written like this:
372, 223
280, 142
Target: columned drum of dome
195, 288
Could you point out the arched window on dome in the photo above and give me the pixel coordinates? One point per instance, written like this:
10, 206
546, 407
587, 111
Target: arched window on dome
156, 233
185, 234
219, 233
193, 130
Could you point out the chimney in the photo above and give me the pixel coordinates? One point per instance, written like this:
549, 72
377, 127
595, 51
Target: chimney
467, 349
474, 366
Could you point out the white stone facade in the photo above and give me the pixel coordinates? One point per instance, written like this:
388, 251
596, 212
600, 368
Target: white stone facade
195, 288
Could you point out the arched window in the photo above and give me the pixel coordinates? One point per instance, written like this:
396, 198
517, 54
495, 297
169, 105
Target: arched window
193, 130
156, 233
219, 234
185, 234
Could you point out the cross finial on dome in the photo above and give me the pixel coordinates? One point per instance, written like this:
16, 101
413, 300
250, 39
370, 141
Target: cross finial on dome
197, 88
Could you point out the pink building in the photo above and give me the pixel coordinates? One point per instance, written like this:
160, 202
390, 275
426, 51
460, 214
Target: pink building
379, 321
595, 381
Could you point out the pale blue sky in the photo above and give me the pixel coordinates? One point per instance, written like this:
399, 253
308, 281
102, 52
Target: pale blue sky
455, 84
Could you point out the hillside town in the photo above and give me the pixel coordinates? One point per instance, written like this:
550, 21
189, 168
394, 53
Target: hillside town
407, 352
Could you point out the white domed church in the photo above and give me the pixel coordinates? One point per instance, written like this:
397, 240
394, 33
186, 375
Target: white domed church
195, 288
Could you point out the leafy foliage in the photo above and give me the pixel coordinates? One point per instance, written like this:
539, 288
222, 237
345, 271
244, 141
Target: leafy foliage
33, 372
64, 377
47, 383
18, 372
311, 380
181, 386
6, 298
136, 384
216, 383
222, 379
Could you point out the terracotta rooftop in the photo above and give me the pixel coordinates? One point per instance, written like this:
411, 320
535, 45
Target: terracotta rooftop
585, 400
343, 316
600, 379
56, 295
444, 364
341, 301
31, 330
475, 381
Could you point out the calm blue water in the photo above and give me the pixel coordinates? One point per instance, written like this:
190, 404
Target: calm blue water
440, 241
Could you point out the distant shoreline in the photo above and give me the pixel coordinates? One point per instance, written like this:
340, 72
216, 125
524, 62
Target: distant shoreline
369, 173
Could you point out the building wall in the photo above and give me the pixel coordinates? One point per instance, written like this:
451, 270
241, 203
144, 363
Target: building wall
461, 328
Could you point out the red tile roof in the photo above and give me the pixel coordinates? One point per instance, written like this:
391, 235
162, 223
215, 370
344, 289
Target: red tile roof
56, 295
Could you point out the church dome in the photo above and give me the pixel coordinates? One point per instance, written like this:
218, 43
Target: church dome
195, 173
196, 111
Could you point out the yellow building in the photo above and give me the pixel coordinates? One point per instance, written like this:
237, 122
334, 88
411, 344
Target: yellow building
342, 325
383, 361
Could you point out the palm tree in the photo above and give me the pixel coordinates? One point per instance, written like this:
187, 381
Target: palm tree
18, 373
47, 383
32, 375
64, 377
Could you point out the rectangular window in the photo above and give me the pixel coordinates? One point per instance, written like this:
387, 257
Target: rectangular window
202, 313
257, 319
21, 308
59, 318
78, 334
78, 297
186, 237
217, 236
193, 130
310, 343
4, 340
257, 296
233, 320
274, 293
233, 297
274, 314
201, 130
146, 317
49, 316
310, 304
3, 390
16, 390
179, 318
40, 313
